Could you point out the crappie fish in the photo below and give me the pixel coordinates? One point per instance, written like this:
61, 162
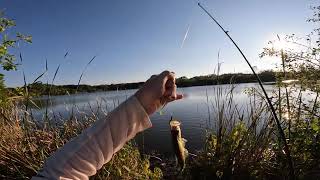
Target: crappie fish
178, 143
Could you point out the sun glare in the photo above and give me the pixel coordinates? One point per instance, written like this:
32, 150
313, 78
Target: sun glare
281, 44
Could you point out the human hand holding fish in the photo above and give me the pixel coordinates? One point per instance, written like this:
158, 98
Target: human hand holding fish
158, 91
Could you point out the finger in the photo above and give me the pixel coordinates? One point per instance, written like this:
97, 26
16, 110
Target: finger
152, 77
167, 83
170, 90
174, 92
179, 96
167, 75
164, 73
172, 77
170, 99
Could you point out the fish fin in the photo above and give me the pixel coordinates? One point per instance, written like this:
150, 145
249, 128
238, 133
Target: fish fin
177, 163
181, 170
186, 152
183, 141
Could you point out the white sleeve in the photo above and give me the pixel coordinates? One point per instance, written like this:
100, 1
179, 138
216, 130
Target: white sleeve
85, 154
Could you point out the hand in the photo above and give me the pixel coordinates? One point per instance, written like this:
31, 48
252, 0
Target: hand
157, 91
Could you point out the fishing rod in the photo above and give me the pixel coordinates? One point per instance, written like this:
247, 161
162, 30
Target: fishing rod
281, 132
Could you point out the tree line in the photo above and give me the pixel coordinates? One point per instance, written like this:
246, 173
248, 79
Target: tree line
40, 89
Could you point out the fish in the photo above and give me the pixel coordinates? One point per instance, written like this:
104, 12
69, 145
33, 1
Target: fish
178, 143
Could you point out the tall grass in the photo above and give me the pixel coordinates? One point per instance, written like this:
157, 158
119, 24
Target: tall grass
26, 142
23, 151
270, 105
244, 143
237, 146
241, 142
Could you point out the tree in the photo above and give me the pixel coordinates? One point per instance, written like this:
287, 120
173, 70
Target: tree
300, 55
7, 44
298, 105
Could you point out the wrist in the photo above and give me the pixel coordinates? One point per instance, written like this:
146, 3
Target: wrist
143, 102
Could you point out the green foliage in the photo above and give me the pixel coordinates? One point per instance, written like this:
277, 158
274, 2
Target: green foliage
213, 79
3, 95
7, 44
246, 145
299, 55
239, 146
7, 60
298, 104
39, 89
127, 164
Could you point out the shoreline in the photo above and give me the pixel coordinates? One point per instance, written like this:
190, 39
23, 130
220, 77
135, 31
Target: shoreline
111, 90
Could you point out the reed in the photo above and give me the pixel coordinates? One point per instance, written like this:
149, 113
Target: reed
26, 142
280, 129
238, 145
23, 151
244, 144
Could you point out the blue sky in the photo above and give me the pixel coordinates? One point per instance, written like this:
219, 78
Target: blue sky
134, 39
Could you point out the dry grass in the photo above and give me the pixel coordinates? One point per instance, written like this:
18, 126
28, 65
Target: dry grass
24, 148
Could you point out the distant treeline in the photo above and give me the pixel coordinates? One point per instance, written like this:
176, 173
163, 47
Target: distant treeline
213, 79
39, 88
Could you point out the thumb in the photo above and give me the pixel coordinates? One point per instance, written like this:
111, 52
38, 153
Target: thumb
170, 88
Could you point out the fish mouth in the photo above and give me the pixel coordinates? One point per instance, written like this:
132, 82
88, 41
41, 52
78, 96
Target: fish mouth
175, 125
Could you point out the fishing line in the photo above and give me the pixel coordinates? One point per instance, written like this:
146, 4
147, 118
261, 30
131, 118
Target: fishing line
178, 141
181, 46
186, 34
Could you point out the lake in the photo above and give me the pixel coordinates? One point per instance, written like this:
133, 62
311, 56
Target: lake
195, 111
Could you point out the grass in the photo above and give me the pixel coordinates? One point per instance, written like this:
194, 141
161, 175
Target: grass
26, 142
240, 142
238, 145
270, 105
244, 143
23, 149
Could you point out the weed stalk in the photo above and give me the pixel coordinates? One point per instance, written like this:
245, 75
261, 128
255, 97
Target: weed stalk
281, 132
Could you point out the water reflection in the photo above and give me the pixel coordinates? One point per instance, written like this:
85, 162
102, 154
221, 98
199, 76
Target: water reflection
195, 112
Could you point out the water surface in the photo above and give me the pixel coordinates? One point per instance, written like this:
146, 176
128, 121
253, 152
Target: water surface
195, 111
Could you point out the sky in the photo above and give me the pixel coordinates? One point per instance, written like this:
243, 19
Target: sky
133, 39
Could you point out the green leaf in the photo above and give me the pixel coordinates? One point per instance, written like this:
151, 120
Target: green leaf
315, 126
